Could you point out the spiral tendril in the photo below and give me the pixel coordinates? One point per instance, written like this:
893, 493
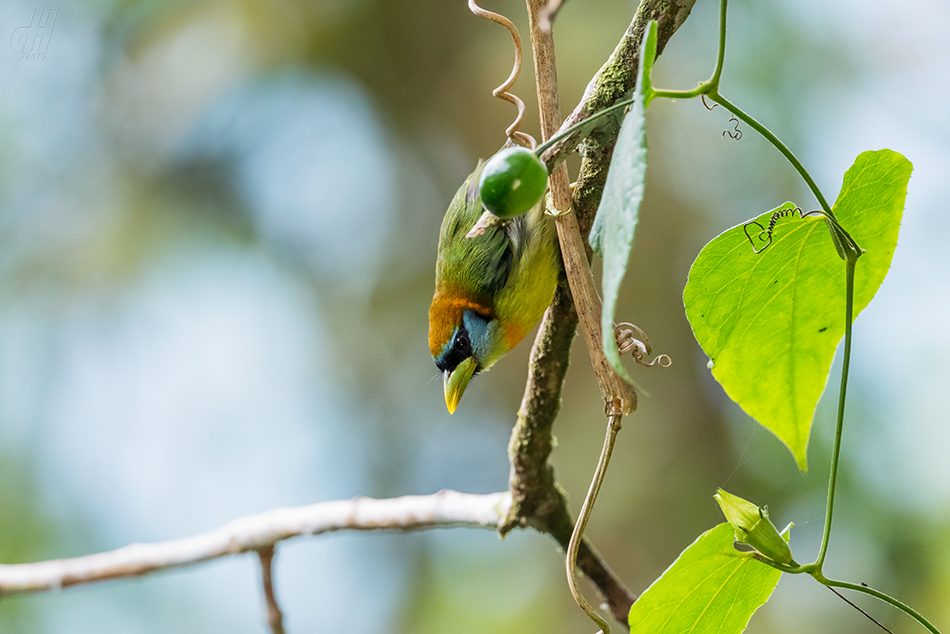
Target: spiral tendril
631, 338
765, 233
735, 134
502, 91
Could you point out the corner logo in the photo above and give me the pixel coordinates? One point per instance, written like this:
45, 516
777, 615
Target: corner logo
31, 41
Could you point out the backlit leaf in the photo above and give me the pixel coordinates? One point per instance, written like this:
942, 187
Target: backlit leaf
711, 588
770, 322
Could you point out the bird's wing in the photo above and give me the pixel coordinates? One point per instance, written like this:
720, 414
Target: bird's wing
481, 265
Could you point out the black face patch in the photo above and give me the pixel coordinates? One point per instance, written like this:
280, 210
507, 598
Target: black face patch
453, 355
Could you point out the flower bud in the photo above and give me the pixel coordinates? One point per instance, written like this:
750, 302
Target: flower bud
752, 527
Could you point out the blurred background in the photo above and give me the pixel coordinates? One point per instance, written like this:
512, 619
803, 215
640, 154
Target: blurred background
218, 224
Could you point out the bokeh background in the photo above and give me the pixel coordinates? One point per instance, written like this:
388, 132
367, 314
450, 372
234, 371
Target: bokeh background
218, 223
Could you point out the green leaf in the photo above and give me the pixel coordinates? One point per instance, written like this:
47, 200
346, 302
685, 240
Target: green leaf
770, 322
711, 587
616, 221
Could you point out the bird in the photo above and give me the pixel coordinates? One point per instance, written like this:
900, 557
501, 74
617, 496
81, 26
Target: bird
490, 289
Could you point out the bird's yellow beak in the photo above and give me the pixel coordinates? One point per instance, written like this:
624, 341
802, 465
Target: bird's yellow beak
456, 381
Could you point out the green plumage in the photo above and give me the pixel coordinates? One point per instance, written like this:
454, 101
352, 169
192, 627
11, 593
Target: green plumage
503, 279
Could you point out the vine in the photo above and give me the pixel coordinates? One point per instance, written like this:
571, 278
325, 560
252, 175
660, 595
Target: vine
750, 522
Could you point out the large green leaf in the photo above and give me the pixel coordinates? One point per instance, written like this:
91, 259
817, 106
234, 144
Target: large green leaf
616, 221
711, 587
770, 322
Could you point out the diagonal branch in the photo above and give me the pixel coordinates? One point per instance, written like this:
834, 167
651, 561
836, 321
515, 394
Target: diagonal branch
259, 532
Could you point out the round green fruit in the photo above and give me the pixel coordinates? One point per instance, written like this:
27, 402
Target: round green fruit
512, 182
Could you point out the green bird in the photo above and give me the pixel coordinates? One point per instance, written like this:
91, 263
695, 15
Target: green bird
490, 289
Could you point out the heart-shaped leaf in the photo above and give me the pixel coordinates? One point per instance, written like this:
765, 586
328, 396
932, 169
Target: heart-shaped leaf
711, 588
768, 307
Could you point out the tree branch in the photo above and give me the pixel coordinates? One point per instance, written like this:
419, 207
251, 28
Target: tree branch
256, 532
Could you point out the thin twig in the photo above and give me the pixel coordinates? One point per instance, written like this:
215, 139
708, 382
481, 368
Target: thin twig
275, 619
536, 500
619, 396
253, 532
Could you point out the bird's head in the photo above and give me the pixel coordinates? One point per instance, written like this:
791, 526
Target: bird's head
464, 339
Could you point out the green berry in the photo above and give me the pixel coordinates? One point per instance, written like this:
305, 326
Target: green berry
512, 182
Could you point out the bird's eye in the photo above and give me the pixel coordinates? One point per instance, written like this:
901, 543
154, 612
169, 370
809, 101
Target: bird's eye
462, 343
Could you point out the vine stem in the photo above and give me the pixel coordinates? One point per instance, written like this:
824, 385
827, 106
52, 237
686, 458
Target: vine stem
613, 428
839, 425
831, 583
711, 90
580, 125
713, 94
815, 569
721, 54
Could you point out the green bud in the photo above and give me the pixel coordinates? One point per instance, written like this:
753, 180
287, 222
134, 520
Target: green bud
753, 527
